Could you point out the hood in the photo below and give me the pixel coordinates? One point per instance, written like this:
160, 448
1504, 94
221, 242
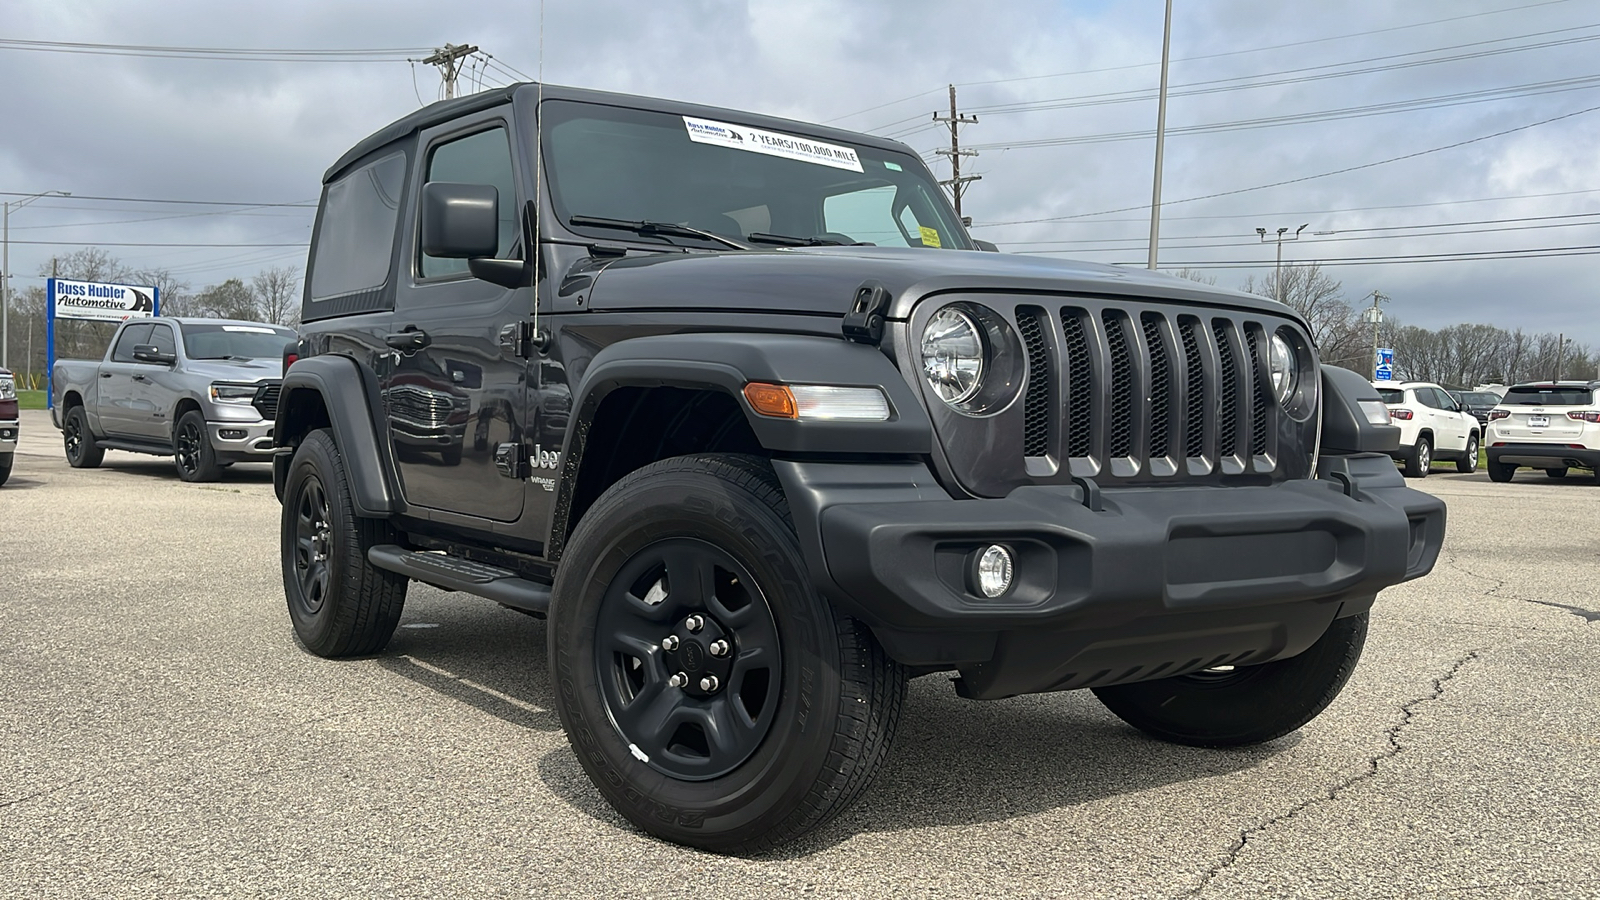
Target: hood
823, 280
235, 369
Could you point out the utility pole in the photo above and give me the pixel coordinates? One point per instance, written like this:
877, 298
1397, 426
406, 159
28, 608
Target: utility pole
1374, 315
448, 59
957, 182
1561, 345
1277, 270
5, 270
1161, 137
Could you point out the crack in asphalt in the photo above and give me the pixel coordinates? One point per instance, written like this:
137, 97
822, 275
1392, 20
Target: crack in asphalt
1392, 733
1588, 615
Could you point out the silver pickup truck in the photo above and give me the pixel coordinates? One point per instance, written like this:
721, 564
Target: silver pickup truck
192, 389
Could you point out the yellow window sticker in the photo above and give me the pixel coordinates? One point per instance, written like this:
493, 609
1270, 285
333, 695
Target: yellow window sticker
930, 236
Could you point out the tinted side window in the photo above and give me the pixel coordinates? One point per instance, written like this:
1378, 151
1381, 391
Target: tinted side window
355, 237
161, 336
1426, 397
481, 158
133, 334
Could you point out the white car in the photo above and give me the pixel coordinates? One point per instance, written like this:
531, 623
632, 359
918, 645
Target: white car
1432, 424
1551, 425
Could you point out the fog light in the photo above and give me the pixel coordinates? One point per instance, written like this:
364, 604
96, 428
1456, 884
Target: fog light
231, 434
993, 571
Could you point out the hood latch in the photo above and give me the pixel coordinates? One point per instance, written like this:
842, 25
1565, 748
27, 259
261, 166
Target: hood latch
864, 322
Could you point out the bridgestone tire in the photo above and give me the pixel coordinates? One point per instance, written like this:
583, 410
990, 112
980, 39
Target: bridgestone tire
1556, 472
1501, 472
1420, 460
1468, 463
1251, 704
340, 604
82, 451
837, 695
192, 453
5, 467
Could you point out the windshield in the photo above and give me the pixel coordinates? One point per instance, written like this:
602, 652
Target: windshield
1547, 395
235, 341
1392, 395
1480, 398
636, 166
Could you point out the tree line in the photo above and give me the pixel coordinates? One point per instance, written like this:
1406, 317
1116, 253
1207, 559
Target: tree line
271, 295
1458, 356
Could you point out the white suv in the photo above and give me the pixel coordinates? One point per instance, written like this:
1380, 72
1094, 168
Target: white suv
1552, 425
1432, 426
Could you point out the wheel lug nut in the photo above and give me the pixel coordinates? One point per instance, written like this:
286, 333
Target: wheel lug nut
718, 648
709, 683
678, 680
694, 623
670, 642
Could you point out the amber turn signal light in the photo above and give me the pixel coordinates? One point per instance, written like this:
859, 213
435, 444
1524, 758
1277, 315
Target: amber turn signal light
771, 400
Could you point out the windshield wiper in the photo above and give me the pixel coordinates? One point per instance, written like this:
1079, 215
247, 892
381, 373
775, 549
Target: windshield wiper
652, 228
789, 240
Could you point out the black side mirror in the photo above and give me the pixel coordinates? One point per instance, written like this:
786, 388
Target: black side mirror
460, 221
150, 354
985, 246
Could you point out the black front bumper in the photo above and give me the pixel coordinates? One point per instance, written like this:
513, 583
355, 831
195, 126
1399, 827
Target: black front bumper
1544, 456
1156, 582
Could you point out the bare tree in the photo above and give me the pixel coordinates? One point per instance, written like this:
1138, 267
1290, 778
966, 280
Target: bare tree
1319, 299
277, 295
228, 300
1192, 274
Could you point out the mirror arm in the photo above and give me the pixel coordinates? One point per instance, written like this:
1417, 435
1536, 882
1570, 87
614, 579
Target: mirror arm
508, 273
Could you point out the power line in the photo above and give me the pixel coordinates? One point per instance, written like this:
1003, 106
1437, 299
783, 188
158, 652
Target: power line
1527, 253
303, 204
1345, 170
150, 244
234, 54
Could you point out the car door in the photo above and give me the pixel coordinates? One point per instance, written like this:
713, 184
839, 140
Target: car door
153, 395
115, 384
455, 399
1450, 431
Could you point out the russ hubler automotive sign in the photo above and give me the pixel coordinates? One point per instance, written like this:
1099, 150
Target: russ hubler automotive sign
100, 302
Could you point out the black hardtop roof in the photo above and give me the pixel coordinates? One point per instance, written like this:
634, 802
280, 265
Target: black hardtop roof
445, 110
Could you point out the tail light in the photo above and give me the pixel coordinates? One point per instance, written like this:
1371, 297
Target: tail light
1585, 415
1403, 415
1498, 414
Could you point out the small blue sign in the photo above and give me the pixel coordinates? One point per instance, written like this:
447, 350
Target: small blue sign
1385, 356
1384, 373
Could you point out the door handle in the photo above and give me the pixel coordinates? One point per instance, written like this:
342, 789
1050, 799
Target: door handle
143, 378
410, 340
105, 374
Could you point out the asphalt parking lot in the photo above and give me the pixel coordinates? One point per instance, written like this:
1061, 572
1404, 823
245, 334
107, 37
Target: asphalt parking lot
162, 734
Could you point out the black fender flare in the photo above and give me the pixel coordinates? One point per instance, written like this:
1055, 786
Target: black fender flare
1345, 427
350, 397
728, 361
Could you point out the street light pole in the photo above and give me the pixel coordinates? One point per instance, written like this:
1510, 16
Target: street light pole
1161, 134
1277, 269
5, 271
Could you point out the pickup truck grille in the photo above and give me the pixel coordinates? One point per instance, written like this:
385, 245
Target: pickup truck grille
1147, 391
421, 406
266, 399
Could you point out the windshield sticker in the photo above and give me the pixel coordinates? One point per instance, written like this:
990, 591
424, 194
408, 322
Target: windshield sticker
740, 137
930, 236
893, 167
253, 329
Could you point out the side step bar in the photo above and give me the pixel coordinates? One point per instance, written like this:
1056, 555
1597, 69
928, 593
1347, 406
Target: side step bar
503, 586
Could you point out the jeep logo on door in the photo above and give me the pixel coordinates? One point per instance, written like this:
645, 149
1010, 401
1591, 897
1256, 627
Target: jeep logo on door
544, 459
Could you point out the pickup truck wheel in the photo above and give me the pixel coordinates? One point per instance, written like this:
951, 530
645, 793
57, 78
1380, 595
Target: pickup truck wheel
1468, 463
713, 697
192, 451
82, 451
1232, 707
1420, 459
1501, 472
340, 603
1556, 472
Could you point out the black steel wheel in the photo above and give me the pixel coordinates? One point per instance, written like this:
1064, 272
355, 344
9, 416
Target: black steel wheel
712, 695
1232, 706
1468, 463
688, 658
340, 603
82, 451
192, 451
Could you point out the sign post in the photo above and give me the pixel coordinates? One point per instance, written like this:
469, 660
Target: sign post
91, 301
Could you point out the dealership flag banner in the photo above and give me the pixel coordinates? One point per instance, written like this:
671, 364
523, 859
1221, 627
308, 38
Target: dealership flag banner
95, 302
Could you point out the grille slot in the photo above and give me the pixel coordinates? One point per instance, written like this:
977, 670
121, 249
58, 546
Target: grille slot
1194, 423
1036, 403
1258, 405
1079, 372
266, 399
1228, 399
1120, 362
1160, 385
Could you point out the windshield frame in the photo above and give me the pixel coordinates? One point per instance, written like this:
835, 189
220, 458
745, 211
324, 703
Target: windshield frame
556, 111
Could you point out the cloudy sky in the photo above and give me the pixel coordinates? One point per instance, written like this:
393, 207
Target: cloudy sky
1445, 153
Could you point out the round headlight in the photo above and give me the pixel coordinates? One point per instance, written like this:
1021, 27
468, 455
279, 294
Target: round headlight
952, 355
1284, 368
